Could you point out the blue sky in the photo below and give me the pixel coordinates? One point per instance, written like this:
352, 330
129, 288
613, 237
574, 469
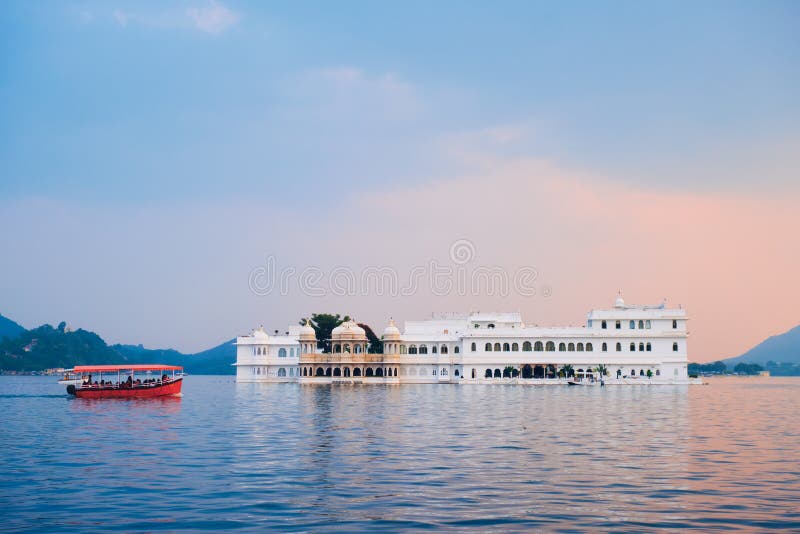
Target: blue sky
115, 112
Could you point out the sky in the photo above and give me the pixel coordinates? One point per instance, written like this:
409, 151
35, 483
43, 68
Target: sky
177, 173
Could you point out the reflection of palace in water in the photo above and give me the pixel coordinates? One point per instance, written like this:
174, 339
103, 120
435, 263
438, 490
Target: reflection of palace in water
631, 344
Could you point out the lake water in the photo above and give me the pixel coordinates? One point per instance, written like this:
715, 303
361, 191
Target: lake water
345, 458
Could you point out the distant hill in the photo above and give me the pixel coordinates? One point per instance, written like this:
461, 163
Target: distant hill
46, 347
9, 328
214, 361
783, 348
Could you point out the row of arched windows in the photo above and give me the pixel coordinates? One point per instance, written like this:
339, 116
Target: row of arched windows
643, 324
346, 372
262, 351
356, 348
281, 371
423, 349
538, 346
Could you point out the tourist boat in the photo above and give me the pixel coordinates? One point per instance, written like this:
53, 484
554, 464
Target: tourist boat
121, 382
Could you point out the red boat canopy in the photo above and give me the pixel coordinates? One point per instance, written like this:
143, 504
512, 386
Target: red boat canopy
141, 367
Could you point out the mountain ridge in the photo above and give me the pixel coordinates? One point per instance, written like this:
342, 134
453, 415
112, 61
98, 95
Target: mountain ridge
48, 347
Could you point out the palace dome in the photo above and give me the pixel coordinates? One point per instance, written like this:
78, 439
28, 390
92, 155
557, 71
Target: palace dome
349, 331
620, 302
391, 333
260, 333
307, 332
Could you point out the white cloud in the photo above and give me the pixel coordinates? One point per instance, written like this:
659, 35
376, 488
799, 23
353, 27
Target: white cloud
214, 17
121, 17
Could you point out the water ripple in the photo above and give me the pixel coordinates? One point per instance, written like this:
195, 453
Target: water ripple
247, 457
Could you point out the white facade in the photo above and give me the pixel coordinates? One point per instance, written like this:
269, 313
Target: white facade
261, 357
633, 344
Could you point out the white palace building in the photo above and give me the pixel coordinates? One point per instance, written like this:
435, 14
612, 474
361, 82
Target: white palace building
622, 345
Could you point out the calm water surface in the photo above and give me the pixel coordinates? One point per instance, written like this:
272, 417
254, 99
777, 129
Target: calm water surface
344, 458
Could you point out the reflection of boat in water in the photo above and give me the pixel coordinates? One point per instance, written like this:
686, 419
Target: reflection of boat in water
70, 378
121, 382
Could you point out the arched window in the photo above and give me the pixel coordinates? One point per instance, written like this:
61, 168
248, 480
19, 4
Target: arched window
641, 324
490, 325
434, 348
281, 372
674, 324
305, 371
337, 348
550, 346
514, 347
456, 372
604, 347
526, 346
641, 347
423, 349
412, 349
579, 347
538, 346
649, 347
378, 372
497, 373
641, 372
281, 353
647, 324
337, 371
368, 371
444, 371
571, 347
320, 371
562, 347
632, 325
603, 325
346, 347
589, 347
473, 347
675, 347
658, 372
506, 347
434, 372
328, 371
497, 347
357, 349
618, 325
357, 371
488, 347
444, 349
633, 347
456, 349
488, 373
619, 347
633, 372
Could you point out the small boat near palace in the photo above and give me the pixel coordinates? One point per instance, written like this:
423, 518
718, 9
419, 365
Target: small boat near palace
70, 378
122, 382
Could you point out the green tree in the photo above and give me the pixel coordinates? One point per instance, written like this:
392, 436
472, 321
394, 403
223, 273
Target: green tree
375, 344
747, 368
568, 371
323, 324
602, 369
649, 373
